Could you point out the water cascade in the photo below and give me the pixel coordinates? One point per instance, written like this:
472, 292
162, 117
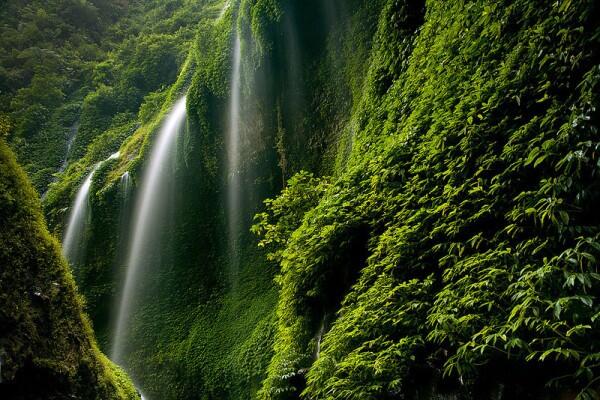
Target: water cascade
223, 10
65, 163
233, 159
147, 220
125, 186
125, 191
319, 337
73, 242
293, 81
70, 140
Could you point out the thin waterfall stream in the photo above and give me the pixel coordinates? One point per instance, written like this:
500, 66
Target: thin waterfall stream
70, 139
146, 220
233, 159
224, 9
78, 218
65, 163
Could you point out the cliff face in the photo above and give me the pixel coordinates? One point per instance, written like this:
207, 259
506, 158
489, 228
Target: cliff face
433, 229
47, 347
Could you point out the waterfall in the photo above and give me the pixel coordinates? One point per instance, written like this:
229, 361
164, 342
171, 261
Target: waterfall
293, 69
223, 10
147, 219
65, 163
124, 219
70, 140
125, 186
73, 240
319, 339
319, 336
233, 159
77, 220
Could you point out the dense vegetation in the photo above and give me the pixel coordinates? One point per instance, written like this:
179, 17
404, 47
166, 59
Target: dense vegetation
432, 169
47, 347
463, 234
71, 70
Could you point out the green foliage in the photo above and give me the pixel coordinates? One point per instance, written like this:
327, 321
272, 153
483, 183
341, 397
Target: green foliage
153, 62
48, 50
151, 106
474, 174
222, 337
284, 214
104, 56
5, 125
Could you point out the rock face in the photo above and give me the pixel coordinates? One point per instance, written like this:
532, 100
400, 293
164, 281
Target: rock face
47, 348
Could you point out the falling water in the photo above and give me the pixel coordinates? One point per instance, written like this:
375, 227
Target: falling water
125, 181
70, 140
147, 219
319, 337
293, 56
73, 239
124, 219
226, 5
125, 186
233, 155
65, 163
77, 220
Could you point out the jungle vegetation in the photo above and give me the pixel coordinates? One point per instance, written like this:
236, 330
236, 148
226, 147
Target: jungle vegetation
415, 188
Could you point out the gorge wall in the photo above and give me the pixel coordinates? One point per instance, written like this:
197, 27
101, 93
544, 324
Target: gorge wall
432, 169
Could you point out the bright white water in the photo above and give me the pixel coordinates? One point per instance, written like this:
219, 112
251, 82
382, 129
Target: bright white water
146, 220
224, 9
77, 220
125, 178
73, 240
233, 156
124, 217
125, 188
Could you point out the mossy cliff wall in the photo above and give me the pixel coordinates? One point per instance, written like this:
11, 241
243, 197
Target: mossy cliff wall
47, 347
